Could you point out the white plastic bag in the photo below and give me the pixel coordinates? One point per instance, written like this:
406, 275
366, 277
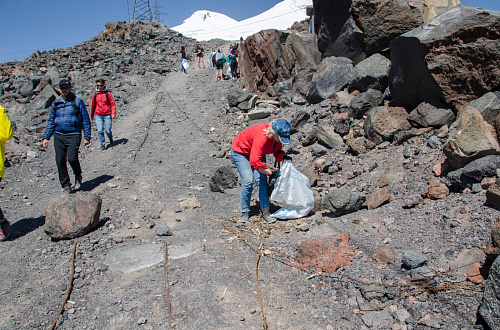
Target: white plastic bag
293, 189
185, 64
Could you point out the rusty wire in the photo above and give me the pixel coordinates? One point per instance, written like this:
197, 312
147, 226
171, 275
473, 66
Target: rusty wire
420, 285
169, 305
68, 290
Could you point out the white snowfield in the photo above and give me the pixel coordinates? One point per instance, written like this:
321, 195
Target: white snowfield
205, 25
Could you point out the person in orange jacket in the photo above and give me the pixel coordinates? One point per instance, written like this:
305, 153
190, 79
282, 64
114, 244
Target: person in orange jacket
104, 110
6, 133
249, 150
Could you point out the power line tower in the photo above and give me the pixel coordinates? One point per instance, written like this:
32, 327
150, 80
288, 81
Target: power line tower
157, 11
143, 10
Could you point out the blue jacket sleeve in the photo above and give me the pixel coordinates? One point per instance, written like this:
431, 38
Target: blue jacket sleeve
49, 130
86, 120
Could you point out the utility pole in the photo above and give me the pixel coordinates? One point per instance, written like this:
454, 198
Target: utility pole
157, 11
143, 10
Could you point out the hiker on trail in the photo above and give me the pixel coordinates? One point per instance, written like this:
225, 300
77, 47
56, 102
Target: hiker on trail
67, 118
220, 59
234, 62
199, 54
183, 59
6, 133
248, 151
104, 110
211, 58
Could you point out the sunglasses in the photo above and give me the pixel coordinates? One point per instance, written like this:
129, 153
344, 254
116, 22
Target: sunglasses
64, 87
99, 85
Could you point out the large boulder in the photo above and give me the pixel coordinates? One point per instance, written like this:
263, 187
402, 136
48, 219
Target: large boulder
370, 73
330, 78
73, 216
364, 102
236, 96
454, 57
44, 99
271, 56
382, 123
470, 137
474, 172
384, 20
337, 32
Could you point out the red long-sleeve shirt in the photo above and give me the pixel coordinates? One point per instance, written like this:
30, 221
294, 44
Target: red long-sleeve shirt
254, 143
100, 105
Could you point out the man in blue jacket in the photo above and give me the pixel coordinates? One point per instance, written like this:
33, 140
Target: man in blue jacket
68, 117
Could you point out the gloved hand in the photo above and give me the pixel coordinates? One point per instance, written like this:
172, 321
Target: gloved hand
286, 157
274, 174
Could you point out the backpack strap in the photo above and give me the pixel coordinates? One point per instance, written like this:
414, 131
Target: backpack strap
75, 107
107, 98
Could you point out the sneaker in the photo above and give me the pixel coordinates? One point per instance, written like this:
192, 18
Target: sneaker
4, 230
78, 183
267, 216
244, 216
68, 190
103, 147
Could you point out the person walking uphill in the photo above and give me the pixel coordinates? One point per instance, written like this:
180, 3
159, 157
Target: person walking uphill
248, 150
103, 108
6, 133
183, 59
68, 117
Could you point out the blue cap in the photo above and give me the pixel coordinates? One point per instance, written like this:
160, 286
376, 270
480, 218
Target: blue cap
282, 128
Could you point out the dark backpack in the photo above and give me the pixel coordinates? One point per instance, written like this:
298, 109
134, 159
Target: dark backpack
107, 98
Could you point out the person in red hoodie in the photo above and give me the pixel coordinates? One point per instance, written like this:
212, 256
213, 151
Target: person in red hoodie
249, 150
104, 110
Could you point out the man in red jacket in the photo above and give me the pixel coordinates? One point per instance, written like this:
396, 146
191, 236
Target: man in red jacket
104, 109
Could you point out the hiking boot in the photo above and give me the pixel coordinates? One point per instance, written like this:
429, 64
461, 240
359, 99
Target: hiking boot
244, 216
103, 147
267, 216
78, 183
68, 190
4, 230
111, 143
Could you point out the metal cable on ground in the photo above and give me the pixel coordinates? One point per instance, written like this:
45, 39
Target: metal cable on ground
68, 291
183, 112
149, 125
167, 289
257, 281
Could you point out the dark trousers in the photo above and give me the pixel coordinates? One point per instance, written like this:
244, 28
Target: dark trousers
66, 147
234, 68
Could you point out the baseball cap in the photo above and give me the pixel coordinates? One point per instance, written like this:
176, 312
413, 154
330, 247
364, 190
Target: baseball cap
282, 128
64, 82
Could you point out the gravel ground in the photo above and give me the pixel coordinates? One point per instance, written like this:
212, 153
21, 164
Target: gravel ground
217, 287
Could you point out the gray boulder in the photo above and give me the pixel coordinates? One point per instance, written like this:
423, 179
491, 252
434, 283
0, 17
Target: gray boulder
431, 114
343, 201
73, 216
236, 96
44, 99
330, 78
224, 178
488, 106
473, 172
434, 61
370, 73
490, 307
364, 102
412, 259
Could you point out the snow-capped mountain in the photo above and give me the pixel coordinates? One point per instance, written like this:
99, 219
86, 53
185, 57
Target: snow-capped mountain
206, 25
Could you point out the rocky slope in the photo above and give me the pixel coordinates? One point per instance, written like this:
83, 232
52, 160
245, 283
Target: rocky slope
172, 133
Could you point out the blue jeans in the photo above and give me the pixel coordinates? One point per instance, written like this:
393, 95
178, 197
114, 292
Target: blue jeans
182, 67
248, 175
103, 124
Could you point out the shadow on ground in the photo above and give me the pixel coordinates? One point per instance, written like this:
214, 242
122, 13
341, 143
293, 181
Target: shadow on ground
90, 185
25, 226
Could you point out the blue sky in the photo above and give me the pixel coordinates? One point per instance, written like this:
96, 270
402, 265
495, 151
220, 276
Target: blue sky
30, 25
